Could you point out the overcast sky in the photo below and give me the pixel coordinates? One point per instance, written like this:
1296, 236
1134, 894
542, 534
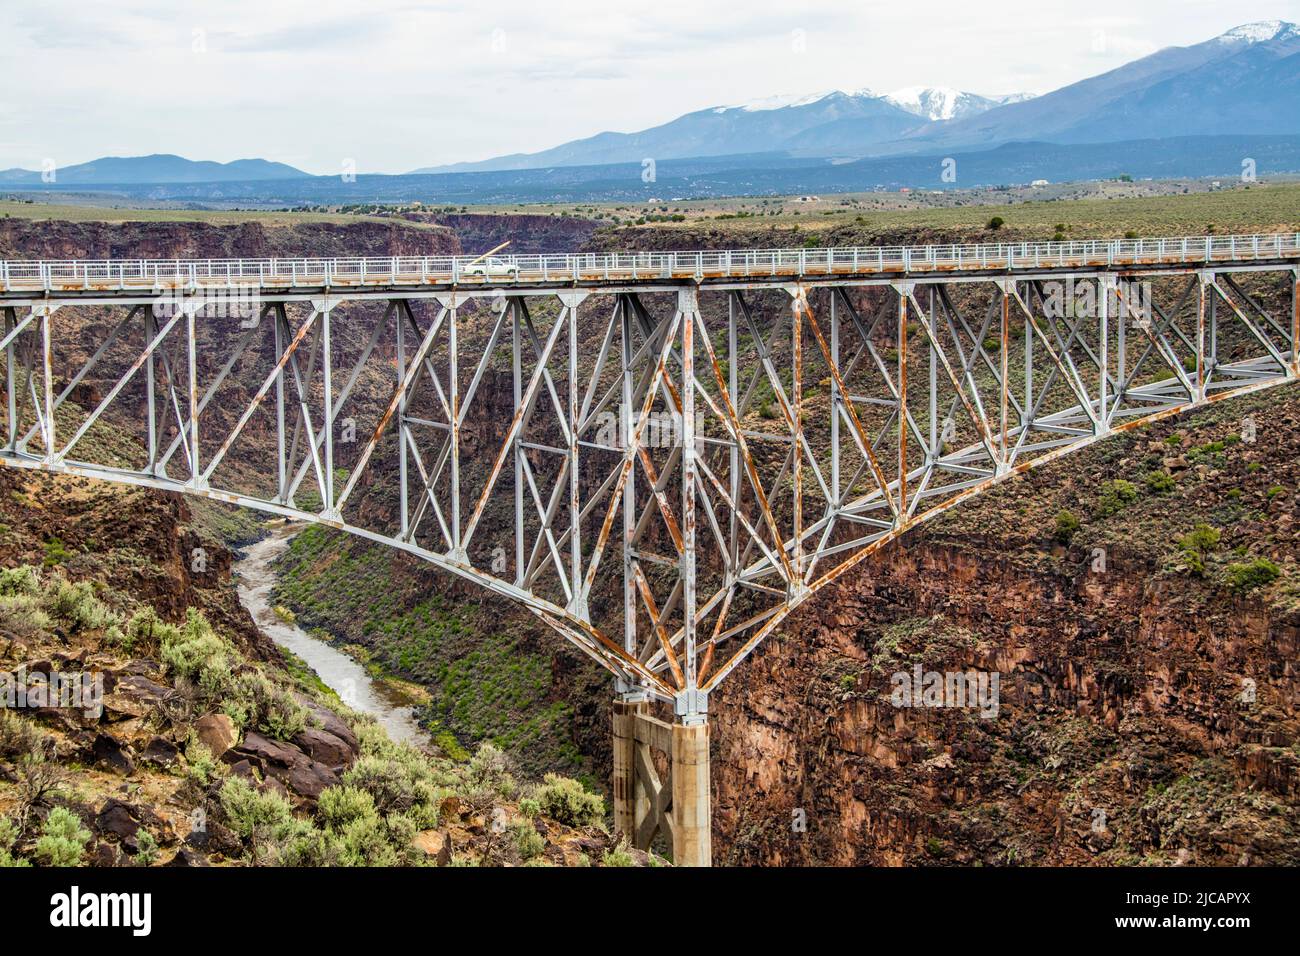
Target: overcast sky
394, 85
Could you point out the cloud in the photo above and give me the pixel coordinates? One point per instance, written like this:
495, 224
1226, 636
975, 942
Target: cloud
400, 84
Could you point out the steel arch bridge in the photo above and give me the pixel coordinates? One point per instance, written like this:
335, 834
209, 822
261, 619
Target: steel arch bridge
661, 455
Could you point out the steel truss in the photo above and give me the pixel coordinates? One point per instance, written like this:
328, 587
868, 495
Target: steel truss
677, 467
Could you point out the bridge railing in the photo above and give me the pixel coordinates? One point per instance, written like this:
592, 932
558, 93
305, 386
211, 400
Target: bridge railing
637, 266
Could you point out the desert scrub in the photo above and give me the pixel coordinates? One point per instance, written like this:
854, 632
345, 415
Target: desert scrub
19, 736
63, 839
77, 606
565, 801
8, 840
254, 815
1067, 526
1248, 576
528, 841
200, 765
197, 656
1116, 495
259, 702
1197, 546
488, 776
1159, 482
618, 856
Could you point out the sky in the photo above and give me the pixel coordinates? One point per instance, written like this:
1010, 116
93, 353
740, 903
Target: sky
387, 86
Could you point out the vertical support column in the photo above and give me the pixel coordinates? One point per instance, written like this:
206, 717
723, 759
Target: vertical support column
692, 801
575, 506
193, 386
1004, 382
150, 330
48, 380
733, 379
517, 376
935, 450
1027, 420
624, 782
1200, 337
402, 451
835, 404
327, 378
626, 429
453, 398
1126, 314
904, 292
1295, 323
796, 345
1212, 336
1105, 285
689, 307
11, 378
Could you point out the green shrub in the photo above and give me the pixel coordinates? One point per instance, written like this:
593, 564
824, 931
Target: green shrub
19, 736
200, 765
528, 841
1197, 545
259, 702
1067, 526
565, 801
1159, 482
1115, 496
23, 579
1249, 576
488, 775
146, 847
78, 607
195, 654
253, 814
8, 840
618, 856
397, 784
340, 806
63, 839
364, 842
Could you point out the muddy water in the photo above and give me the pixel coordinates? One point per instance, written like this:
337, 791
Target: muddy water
341, 673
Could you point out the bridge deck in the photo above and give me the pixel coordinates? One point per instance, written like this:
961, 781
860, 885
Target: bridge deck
594, 271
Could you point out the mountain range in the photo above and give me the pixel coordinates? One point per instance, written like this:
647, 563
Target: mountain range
1246, 81
1183, 105
157, 168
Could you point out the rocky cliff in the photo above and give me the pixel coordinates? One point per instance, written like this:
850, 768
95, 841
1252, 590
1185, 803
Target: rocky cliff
1148, 691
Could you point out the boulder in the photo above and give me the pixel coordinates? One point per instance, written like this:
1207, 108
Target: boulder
330, 722
110, 752
216, 732
161, 752
117, 819
435, 844
327, 748
186, 856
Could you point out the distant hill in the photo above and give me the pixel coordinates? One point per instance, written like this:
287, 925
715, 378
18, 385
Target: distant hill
769, 125
158, 168
769, 174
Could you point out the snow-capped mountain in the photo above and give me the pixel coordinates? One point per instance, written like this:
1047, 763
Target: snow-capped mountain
1262, 31
1245, 81
939, 103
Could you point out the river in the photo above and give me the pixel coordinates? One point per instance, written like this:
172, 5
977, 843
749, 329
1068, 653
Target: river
341, 673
